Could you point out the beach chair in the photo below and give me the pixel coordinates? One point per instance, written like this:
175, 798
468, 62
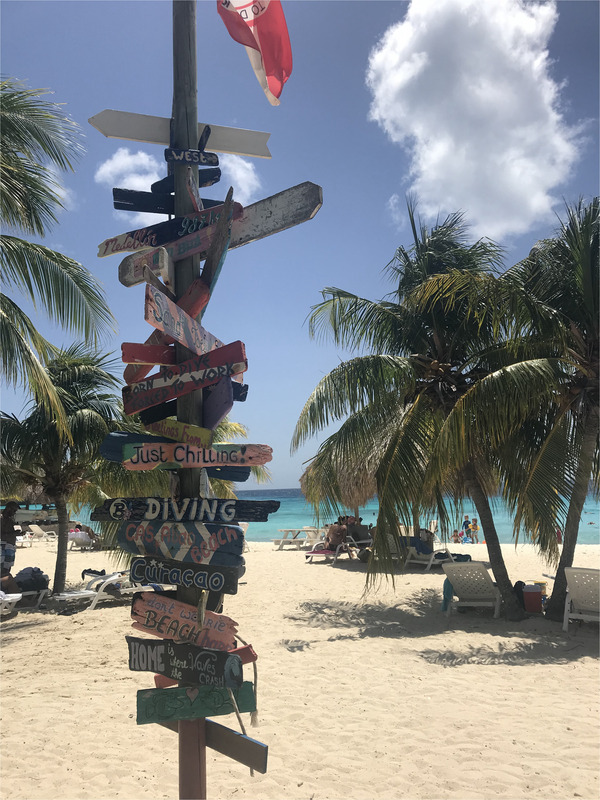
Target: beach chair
472, 584
418, 552
24, 540
320, 549
106, 587
39, 533
583, 595
8, 603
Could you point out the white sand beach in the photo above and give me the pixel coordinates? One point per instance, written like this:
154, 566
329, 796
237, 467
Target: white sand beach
359, 697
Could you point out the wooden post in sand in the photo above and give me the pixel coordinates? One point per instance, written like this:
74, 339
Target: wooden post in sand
184, 135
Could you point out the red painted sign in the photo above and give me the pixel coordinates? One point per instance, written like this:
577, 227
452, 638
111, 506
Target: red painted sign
151, 354
170, 318
186, 377
178, 455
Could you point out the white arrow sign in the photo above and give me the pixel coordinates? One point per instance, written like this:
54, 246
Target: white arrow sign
156, 130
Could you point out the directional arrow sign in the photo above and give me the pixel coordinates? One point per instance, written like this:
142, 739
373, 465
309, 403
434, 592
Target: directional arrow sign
185, 662
156, 130
158, 705
200, 509
172, 320
191, 542
182, 432
181, 379
161, 615
176, 455
131, 269
150, 354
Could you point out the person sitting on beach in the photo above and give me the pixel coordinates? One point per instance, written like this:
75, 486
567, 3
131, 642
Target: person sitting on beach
474, 528
336, 535
456, 536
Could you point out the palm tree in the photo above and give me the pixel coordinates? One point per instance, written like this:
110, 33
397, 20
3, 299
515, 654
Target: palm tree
423, 359
36, 453
37, 139
561, 276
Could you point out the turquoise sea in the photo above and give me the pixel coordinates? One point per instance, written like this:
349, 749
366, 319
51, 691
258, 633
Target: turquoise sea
294, 512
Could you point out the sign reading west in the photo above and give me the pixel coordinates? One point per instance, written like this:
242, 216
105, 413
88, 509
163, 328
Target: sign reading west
185, 662
176, 156
177, 455
163, 616
157, 705
190, 542
181, 379
198, 509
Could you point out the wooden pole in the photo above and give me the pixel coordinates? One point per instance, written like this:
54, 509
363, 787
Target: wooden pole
184, 135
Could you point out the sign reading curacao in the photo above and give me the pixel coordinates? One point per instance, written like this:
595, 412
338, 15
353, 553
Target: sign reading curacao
199, 576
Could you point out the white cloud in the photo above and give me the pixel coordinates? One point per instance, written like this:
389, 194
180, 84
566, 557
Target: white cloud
240, 174
138, 171
464, 86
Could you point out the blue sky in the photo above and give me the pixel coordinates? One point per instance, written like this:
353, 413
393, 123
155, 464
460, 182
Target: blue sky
490, 108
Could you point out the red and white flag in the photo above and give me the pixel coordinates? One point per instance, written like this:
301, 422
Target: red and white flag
260, 27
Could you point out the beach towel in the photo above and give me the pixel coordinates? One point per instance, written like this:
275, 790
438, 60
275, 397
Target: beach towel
447, 594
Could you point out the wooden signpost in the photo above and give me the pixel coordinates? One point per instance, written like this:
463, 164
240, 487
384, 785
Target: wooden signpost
150, 354
200, 509
167, 618
160, 233
178, 455
171, 319
156, 130
157, 705
186, 662
185, 377
130, 200
189, 542
131, 269
182, 432
205, 576
191, 157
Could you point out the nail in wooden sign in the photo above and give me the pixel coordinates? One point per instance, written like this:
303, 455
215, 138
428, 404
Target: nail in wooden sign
191, 157
182, 432
195, 509
205, 576
160, 233
189, 542
249, 752
168, 317
181, 379
157, 705
167, 618
193, 301
177, 455
185, 662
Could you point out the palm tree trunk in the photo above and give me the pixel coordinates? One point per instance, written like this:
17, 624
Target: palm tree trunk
556, 604
60, 570
512, 607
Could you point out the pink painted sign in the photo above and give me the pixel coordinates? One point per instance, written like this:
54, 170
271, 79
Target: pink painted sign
169, 619
172, 320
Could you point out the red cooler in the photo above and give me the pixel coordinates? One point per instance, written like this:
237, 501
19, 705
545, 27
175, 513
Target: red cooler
532, 597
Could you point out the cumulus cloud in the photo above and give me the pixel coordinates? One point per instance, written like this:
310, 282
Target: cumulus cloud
465, 87
138, 171
240, 174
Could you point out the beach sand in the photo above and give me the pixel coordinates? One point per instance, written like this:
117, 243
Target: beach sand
380, 696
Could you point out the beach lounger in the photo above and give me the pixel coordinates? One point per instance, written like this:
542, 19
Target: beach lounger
24, 540
472, 584
320, 549
40, 533
583, 595
8, 603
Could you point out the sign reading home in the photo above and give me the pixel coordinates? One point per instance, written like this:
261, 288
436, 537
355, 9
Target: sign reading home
185, 662
199, 576
191, 542
199, 509
161, 615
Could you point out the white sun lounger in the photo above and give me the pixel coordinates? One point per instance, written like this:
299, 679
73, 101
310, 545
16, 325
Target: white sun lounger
8, 603
583, 595
472, 585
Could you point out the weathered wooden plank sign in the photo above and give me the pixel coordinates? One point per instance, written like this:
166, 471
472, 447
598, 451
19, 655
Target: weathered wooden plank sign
157, 705
168, 317
111, 447
191, 157
200, 576
150, 354
181, 379
167, 618
131, 269
193, 301
182, 432
188, 542
160, 233
199, 509
185, 662
217, 403
130, 200
178, 455
157, 130
249, 752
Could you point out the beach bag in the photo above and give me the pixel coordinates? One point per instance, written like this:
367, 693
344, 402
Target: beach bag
32, 579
